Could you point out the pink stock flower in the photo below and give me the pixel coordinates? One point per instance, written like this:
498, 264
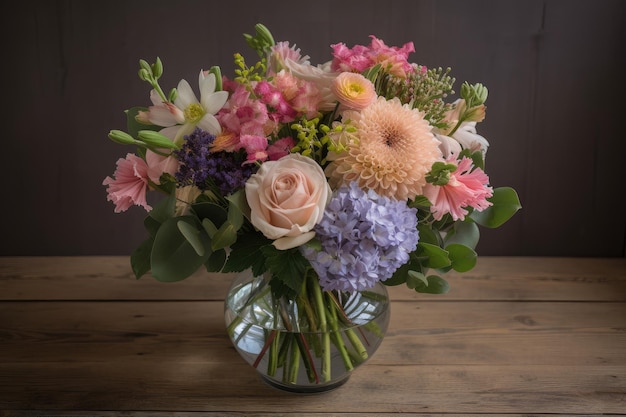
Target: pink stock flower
466, 188
392, 58
129, 185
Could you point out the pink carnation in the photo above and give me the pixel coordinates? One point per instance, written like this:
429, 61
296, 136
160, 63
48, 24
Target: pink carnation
130, 184
465, 188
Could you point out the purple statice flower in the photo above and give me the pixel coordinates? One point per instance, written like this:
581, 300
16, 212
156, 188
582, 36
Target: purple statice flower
364, 238
202, 168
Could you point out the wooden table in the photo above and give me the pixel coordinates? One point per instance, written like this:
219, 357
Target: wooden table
516, 336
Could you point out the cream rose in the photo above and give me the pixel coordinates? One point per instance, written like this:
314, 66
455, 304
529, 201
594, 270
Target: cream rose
287, 199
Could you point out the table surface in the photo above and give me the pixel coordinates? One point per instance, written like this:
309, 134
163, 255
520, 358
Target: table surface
515, 336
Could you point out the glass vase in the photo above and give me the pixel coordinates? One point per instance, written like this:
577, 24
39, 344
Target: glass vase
311, 343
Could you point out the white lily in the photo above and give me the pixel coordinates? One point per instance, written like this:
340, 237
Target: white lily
187, 112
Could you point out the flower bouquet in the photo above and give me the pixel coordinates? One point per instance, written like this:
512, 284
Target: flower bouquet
318, 184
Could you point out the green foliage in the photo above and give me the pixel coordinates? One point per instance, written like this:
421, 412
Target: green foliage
246, 253
432, 284
288, 269
505, 204
173, 256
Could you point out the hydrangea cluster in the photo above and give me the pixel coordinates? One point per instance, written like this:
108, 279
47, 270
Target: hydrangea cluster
364, 238
224, 169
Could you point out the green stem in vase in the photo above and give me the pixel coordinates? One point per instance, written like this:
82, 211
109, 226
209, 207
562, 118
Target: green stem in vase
322, 311
294, 363
339, 344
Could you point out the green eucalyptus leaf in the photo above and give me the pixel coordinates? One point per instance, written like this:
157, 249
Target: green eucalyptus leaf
238, 200
192, 235
505, 204
173, 257
209, 227
428, 235
214, 212
225, 236
463, 258
216, 261
415, 279
435, 285
140, 258
235, 216
435, 256
160, 213
464, 233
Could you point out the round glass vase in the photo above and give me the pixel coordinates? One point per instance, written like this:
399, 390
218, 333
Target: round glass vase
309, 343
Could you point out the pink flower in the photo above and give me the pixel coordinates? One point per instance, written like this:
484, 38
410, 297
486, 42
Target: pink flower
130, 184
350, 60
280, 148
393, 59
159, 165
466, 188
287, 199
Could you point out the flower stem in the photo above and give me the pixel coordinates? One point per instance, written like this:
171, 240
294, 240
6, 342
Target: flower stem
319, 302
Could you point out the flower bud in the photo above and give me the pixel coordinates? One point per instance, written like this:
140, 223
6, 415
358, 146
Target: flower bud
156, 139
157, 68
123, 138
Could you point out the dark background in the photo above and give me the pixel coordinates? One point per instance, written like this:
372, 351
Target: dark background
554, 69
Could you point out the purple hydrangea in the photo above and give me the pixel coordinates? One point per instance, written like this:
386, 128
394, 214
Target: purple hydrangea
202, 168
364, 238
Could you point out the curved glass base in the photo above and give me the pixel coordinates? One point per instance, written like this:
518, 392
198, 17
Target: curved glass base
304, 389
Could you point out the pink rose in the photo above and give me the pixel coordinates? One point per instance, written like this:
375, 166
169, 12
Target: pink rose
287, 199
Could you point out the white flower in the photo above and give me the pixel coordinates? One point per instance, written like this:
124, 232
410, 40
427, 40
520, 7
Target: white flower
186, 113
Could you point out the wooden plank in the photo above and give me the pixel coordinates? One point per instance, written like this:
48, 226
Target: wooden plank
443, 333
91, 413
494, 278
374, 388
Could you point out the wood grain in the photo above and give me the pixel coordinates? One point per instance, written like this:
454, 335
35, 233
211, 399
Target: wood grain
80, 336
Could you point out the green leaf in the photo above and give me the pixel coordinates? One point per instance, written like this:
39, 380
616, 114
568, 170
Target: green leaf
428, 235
288, 269
435, 285
235, 216
209, 227
246, 253
415, 279
238, 199
435, 256
140, 258
192, 235
214, 212
463, 258
160, 213
401, 275
225, 236
173, 257
215, 263
505, 204
464, 233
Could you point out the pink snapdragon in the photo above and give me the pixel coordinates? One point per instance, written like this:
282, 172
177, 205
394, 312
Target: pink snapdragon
129, 185
392, 58
465, 188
